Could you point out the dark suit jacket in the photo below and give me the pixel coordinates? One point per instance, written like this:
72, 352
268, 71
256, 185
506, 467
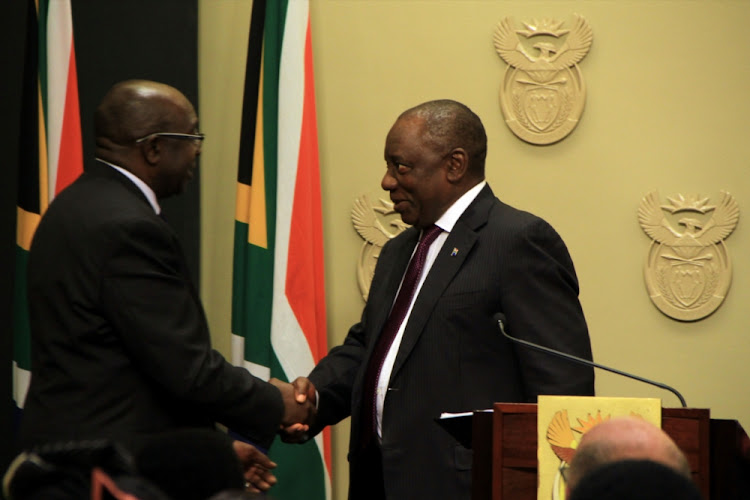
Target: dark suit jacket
452, 356
120, 343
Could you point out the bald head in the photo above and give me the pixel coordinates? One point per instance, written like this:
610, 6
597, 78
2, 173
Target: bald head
625, 438
149, 128
135, 108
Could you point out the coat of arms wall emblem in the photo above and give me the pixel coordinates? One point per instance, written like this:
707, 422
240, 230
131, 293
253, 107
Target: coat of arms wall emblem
543, 91
688, 270
376, 224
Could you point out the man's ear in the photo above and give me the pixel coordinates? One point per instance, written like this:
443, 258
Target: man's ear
458, 164
151, 150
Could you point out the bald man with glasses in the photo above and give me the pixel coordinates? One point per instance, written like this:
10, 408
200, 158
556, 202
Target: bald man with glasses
120, 343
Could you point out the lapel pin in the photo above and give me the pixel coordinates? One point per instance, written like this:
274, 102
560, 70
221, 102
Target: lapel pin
454, 252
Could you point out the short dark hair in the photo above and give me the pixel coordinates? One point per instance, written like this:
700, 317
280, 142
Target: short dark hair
127, 113
635, 479
450, 124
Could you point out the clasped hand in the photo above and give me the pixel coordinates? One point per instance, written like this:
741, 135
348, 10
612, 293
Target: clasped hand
299, 412
299, 408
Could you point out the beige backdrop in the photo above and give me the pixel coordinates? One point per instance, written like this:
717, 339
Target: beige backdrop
667, 110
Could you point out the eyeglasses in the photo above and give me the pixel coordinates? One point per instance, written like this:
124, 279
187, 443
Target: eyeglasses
196, 138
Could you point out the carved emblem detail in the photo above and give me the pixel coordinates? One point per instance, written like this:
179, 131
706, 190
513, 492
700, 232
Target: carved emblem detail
543, 91
376, 224
688, 272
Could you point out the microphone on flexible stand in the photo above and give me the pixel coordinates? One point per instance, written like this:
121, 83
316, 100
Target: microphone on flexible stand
500, 318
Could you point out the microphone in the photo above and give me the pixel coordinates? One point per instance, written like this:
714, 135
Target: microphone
500, 318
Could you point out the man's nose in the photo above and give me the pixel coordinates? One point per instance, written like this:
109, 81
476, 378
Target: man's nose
388, 183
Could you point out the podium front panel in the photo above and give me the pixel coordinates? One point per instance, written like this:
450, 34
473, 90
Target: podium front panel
505, 449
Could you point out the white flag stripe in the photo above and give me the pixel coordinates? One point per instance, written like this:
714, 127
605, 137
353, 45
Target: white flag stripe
59, 41
288, 340
21, 379
238, 351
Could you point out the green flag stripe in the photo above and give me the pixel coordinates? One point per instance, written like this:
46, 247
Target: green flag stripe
251, 303
304, 475
274, 31
28, 181
21, 330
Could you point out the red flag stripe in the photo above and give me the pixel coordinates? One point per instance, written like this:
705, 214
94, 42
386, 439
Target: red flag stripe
70, 161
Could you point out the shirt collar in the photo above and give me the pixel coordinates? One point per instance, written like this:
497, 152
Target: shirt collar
451, 216
145, 189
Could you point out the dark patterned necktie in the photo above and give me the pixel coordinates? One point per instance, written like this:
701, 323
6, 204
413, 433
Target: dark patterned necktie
391, 328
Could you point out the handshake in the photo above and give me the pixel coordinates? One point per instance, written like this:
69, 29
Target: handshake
300, 408
299, 413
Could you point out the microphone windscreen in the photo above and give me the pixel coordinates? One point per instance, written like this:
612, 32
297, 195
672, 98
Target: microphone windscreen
500, 318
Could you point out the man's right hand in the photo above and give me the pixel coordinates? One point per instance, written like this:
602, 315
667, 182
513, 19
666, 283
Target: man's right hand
305, 390
304, 394
299, 411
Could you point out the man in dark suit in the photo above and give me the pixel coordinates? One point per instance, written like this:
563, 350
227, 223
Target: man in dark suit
120, 344
447, 354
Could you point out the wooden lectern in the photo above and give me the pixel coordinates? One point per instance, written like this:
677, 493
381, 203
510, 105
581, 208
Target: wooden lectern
504, 443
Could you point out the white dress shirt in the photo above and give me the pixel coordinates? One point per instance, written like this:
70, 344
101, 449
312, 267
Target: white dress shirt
446, 223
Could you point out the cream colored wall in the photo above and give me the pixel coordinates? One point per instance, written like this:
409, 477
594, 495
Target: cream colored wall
667, 109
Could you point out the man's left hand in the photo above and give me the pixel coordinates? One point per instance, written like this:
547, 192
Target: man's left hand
256, 467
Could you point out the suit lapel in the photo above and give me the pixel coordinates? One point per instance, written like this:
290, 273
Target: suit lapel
448, 262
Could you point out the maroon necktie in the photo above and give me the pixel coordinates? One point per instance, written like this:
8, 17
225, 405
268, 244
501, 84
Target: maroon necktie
391, 327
